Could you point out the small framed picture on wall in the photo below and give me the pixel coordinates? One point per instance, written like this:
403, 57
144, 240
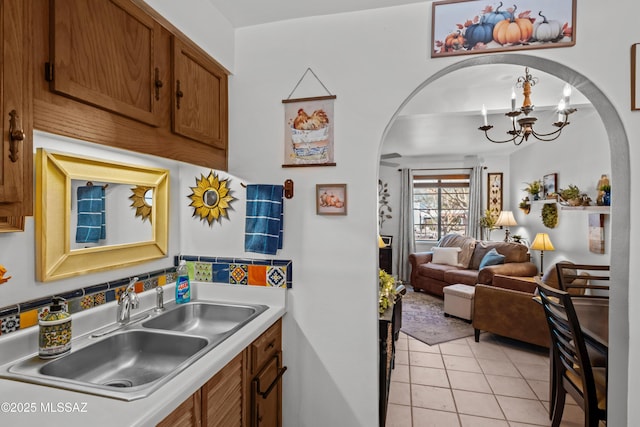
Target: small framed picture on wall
549, 185
494, 193
331, 199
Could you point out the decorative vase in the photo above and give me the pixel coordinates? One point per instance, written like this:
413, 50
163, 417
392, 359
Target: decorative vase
606, 199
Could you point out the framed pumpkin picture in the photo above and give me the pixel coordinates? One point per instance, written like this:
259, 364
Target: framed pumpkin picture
461, 27
331, 199
494, 193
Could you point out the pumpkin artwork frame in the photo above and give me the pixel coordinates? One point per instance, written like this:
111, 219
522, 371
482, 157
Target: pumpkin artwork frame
460, 27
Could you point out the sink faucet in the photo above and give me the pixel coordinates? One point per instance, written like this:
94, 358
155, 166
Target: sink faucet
127, 301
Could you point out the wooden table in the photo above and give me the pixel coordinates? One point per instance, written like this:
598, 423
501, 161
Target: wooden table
593, 314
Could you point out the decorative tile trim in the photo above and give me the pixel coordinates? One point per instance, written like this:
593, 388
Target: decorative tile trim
240, 271
26, 314
237, 271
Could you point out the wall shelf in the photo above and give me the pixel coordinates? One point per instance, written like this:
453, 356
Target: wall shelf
600, 209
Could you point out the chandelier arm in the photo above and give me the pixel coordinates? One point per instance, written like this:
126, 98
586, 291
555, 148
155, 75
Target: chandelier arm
486, 134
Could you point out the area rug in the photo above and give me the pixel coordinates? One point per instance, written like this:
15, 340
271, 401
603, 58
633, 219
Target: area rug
423, 318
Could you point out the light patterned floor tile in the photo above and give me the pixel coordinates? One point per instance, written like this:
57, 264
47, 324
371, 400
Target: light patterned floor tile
400, 393
402, 357
429, 397
456, 349
417, 345
510, 386
429, 360
400, 373
533, 371
524, 410
540, 388
398, 416
473, 421
498, 367
470, 381
459, 363
479, 404
429, 418
429, 376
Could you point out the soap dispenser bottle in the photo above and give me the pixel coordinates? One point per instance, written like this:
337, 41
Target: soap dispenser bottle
183, 285
55, 331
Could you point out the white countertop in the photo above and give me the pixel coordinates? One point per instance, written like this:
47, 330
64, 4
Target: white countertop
27, 404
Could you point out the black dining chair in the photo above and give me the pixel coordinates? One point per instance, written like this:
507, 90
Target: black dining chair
585, 280
573, 372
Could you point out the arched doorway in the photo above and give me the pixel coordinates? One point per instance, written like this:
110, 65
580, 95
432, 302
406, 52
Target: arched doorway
620, 214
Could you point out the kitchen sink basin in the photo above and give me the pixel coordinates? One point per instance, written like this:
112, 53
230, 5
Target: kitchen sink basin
205, 319
133, 360
127, 359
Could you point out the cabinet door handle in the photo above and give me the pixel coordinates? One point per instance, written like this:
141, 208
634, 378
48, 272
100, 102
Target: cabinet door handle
157, 83
16, 134
274, 383
179, 94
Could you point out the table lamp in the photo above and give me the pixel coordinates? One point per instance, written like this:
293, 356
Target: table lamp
542, 243
506, 219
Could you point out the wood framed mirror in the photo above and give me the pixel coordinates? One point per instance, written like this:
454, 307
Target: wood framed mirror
59, 252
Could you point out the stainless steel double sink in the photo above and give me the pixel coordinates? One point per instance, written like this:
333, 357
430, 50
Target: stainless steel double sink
130, 362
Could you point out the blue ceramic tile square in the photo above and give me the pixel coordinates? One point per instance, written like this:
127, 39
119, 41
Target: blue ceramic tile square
277, 277
220, 273
110, 295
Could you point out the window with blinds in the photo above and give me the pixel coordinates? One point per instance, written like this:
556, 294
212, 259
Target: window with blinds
440, 205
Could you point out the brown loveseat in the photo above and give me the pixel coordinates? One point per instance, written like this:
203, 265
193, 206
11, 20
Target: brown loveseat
432, 278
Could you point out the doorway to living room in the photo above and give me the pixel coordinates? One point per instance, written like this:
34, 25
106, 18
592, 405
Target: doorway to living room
620, 213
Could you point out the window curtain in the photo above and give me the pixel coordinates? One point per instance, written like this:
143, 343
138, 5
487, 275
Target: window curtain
475, 203
406, 242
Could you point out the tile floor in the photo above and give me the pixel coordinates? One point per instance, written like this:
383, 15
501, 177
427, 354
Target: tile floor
494, 383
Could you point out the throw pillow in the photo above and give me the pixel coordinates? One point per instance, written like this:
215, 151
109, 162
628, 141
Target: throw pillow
448, 256
491, 258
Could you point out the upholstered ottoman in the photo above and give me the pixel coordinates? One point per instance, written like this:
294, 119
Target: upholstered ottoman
458, 301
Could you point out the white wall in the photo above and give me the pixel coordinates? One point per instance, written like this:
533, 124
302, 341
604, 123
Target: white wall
579, 157
372, 61
17, 250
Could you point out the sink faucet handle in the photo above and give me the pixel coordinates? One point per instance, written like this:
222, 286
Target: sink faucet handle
132, 284
131, 293
159, 299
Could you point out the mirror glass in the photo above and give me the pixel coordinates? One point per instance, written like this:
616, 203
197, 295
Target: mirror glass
127, 222
94, 215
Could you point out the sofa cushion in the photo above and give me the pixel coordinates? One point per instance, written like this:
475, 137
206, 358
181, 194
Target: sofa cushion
447, 256
491, 258
434, 271
465, 243
466, 277
513, 252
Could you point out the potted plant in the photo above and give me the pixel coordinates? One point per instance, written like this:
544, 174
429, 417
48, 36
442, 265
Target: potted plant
525, 205
488, 223
534, 188
606, 197
571, 196
386, 291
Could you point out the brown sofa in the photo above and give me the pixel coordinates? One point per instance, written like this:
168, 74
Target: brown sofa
507, 308
432, 278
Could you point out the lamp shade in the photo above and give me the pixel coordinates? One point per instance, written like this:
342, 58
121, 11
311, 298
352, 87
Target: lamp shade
542, 243
506, 219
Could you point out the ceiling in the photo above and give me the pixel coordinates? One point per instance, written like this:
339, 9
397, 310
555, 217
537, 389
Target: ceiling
243, 13
443, 118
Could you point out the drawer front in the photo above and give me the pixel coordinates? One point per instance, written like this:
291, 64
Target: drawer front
266, 346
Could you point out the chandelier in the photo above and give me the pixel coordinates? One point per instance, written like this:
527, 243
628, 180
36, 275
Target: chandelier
526, 121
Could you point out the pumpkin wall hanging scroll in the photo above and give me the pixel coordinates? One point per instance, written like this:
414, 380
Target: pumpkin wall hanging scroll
465, 27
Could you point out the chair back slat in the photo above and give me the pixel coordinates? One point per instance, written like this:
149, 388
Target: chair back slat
582, 279
567, 340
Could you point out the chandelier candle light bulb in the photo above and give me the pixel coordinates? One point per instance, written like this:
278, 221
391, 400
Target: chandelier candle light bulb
484, 114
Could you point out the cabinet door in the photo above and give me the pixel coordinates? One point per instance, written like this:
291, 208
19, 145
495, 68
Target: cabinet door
267, 395
16, 161
200, 96
188, 414
103, 53
224, 396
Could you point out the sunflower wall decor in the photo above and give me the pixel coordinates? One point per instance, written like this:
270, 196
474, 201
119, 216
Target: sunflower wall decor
211, 197
142, 200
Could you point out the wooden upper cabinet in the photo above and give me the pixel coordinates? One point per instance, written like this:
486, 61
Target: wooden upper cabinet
16, 161
104, 53
200, 96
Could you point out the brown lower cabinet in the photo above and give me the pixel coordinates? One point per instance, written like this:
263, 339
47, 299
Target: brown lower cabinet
247, 392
